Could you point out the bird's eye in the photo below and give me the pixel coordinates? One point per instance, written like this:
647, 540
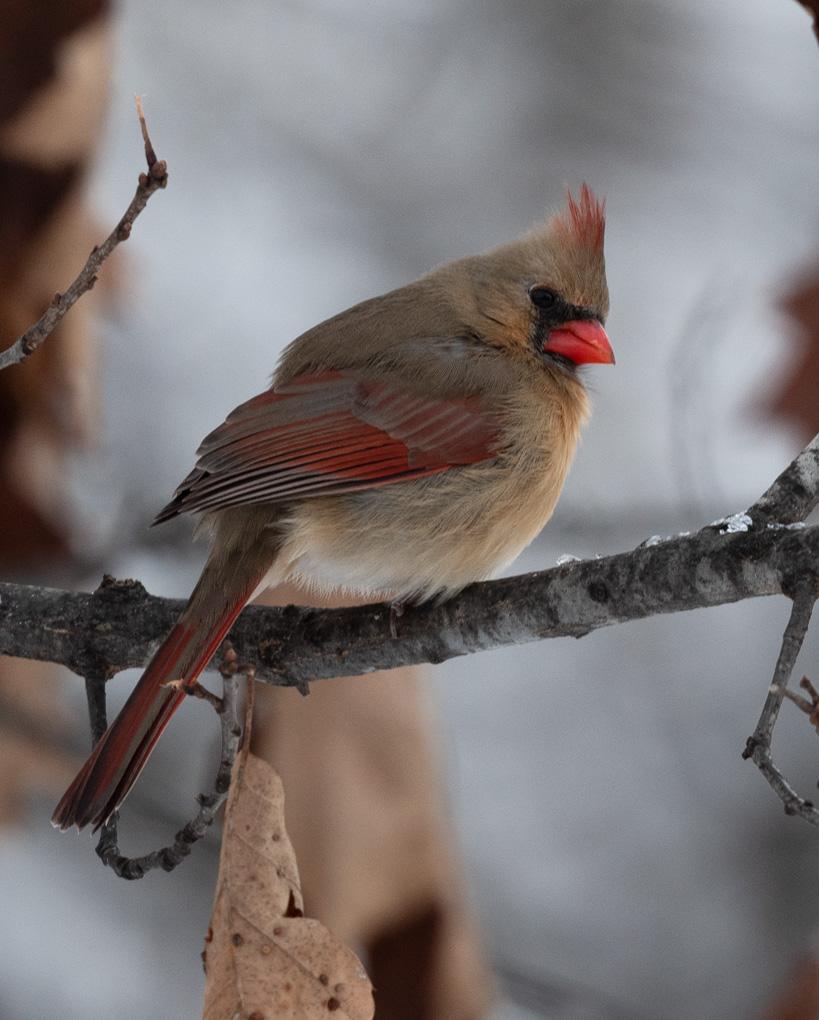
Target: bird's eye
543, 297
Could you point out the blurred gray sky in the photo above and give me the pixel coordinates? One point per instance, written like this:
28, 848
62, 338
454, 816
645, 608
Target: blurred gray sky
323, 152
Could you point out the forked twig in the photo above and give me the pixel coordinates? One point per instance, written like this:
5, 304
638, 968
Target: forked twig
758, 746
169, 857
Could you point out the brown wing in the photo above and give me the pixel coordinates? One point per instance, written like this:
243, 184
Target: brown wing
330, 433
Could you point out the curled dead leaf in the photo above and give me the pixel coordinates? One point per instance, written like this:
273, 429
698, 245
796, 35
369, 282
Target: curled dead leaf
262, 958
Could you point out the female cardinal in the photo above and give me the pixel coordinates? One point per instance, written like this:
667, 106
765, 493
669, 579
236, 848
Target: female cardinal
411, 445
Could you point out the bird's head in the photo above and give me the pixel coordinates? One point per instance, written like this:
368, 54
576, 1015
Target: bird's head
544, 296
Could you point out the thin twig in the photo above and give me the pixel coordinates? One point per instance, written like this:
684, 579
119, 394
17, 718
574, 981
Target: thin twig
150, 155
801, 703
169, 857
95, 681
154, 180
758, 746
97, 710
201, 692
809, 705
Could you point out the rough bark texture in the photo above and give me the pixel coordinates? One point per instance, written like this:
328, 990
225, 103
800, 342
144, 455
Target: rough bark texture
120, 624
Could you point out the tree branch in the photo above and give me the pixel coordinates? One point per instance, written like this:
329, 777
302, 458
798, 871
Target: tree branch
758, 747
120, 624
794, 494
34, 336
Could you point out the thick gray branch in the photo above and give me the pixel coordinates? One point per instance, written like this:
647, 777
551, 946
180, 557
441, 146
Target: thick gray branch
120, 624
794, 494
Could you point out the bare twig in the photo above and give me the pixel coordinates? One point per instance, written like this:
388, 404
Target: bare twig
156, 178
97, 711
169, 857
758, 746
201, 692
95, 681
150, 155
808, 707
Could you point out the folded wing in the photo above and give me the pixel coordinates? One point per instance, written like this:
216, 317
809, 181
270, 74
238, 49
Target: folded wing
330, 433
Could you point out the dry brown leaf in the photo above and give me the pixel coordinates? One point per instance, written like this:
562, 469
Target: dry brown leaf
369, 825
263, 960
33, 735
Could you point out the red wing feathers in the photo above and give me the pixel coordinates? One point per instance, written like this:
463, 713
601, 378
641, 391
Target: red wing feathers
330, 433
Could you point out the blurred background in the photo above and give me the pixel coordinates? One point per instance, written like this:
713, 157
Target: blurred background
619, 857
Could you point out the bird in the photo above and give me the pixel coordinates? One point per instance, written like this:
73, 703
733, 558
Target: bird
406, 447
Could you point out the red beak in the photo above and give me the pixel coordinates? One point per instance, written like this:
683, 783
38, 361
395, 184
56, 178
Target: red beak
583, 341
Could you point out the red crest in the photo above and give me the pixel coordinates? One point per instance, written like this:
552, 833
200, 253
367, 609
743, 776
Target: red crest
584, 220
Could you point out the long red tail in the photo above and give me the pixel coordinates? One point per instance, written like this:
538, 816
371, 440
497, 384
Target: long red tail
115, 763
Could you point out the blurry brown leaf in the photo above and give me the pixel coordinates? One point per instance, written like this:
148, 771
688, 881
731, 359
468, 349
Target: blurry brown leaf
798, 400
33, 735
30, 33
262, 958
813, 7
59, 124
800, 998
54, 71
46, 231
